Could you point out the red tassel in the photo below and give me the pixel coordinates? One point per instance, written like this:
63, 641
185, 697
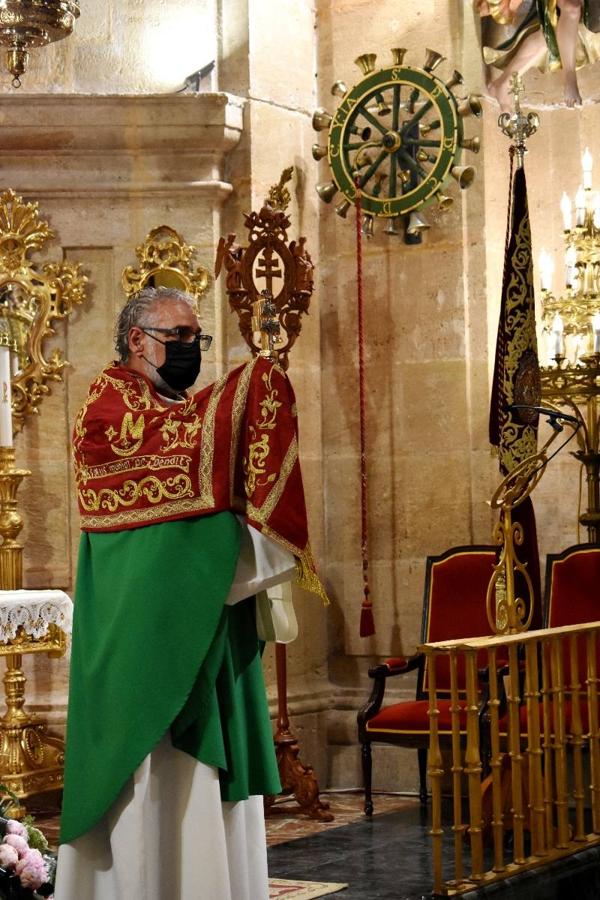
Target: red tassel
367, 623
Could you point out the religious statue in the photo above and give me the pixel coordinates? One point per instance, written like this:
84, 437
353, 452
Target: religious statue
549, 34
229, 254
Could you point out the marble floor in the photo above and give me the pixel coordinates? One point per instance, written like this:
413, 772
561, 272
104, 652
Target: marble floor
387, 857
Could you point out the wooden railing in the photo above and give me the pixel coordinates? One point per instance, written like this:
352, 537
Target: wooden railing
532, 735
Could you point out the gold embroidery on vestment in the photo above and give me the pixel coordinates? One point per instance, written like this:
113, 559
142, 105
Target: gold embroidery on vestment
237, 415
131, 435
151, 487
207, 446
263, 513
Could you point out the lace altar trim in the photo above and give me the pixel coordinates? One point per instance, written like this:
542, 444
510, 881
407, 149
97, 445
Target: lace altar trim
34, 611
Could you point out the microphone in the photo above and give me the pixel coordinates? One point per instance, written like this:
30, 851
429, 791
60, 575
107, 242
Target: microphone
553, 414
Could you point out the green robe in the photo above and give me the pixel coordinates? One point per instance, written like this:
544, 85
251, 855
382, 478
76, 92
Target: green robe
154, 647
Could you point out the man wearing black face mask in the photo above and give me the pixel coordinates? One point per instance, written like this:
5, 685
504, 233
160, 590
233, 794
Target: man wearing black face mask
165, 341
169, 744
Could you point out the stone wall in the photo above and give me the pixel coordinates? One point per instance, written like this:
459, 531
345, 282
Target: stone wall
115, 151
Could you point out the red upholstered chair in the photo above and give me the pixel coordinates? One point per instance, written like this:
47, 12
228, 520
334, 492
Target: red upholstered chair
453, 607
572, 598
573, 586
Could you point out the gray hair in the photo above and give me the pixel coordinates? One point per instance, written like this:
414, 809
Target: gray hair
135, 310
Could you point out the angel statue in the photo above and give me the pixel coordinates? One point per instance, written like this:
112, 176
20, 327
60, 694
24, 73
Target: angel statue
549, 34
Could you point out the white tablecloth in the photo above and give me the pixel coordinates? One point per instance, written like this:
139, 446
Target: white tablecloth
34, 611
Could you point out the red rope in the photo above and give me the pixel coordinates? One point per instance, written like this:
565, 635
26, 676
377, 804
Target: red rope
367, 623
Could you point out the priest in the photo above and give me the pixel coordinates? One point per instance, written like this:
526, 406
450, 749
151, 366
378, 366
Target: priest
181, 495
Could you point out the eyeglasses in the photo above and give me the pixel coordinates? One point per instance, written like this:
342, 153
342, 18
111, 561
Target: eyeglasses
183, 333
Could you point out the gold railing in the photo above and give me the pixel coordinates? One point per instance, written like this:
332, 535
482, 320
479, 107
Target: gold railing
539, 731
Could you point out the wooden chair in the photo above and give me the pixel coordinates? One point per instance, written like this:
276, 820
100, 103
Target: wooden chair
453, 607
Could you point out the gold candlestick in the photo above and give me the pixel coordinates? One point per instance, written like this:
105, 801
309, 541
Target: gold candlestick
31, 761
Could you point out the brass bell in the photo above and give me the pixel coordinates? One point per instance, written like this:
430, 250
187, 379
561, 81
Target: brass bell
432, 60
473, 144
377, 187
464, 175
426, 127
382, 108
342, 208
321, 119
363, 133
363, 158
456, 79
319, 152
327, 191
398, 54
470, 106
367, 226
339, 88
366, 62
417, 224
392, 226
444, 202
423, 156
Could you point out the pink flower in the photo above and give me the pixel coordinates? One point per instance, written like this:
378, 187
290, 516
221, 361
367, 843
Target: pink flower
19, 843
14, 827
31, 870
8, 856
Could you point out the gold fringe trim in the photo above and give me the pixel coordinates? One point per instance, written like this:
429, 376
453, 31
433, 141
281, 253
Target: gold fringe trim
307, 577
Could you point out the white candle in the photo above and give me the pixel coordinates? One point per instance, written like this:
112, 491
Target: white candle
6, 436
596, 330
570, 260
558, 345
565, 208
580, 206
546, 264
587, 162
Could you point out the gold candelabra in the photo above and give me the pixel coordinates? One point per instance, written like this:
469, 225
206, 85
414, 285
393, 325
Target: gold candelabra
571, 327
31, 761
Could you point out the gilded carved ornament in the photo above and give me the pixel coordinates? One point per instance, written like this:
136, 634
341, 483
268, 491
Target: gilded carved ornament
269, 281
165, 260
32, 296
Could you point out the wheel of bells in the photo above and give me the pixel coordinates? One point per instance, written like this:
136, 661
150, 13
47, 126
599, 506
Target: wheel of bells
399, 132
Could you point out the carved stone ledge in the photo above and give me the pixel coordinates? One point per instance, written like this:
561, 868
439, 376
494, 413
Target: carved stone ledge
82, 145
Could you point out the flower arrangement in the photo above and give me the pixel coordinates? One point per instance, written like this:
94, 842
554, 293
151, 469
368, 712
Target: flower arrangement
26, 869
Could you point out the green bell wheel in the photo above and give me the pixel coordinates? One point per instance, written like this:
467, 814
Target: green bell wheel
397, 135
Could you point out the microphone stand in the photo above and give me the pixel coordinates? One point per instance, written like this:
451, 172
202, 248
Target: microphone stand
508, 614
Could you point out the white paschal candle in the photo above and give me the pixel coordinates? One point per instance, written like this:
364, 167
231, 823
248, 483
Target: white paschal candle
6, 433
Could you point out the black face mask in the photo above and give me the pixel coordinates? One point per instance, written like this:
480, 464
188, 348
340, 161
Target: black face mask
182, 363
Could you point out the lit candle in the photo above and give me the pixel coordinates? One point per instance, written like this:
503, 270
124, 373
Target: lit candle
596, 330
586, 162
558, 345
565, 208
546, 264
6, 436
580, 206
570, 260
